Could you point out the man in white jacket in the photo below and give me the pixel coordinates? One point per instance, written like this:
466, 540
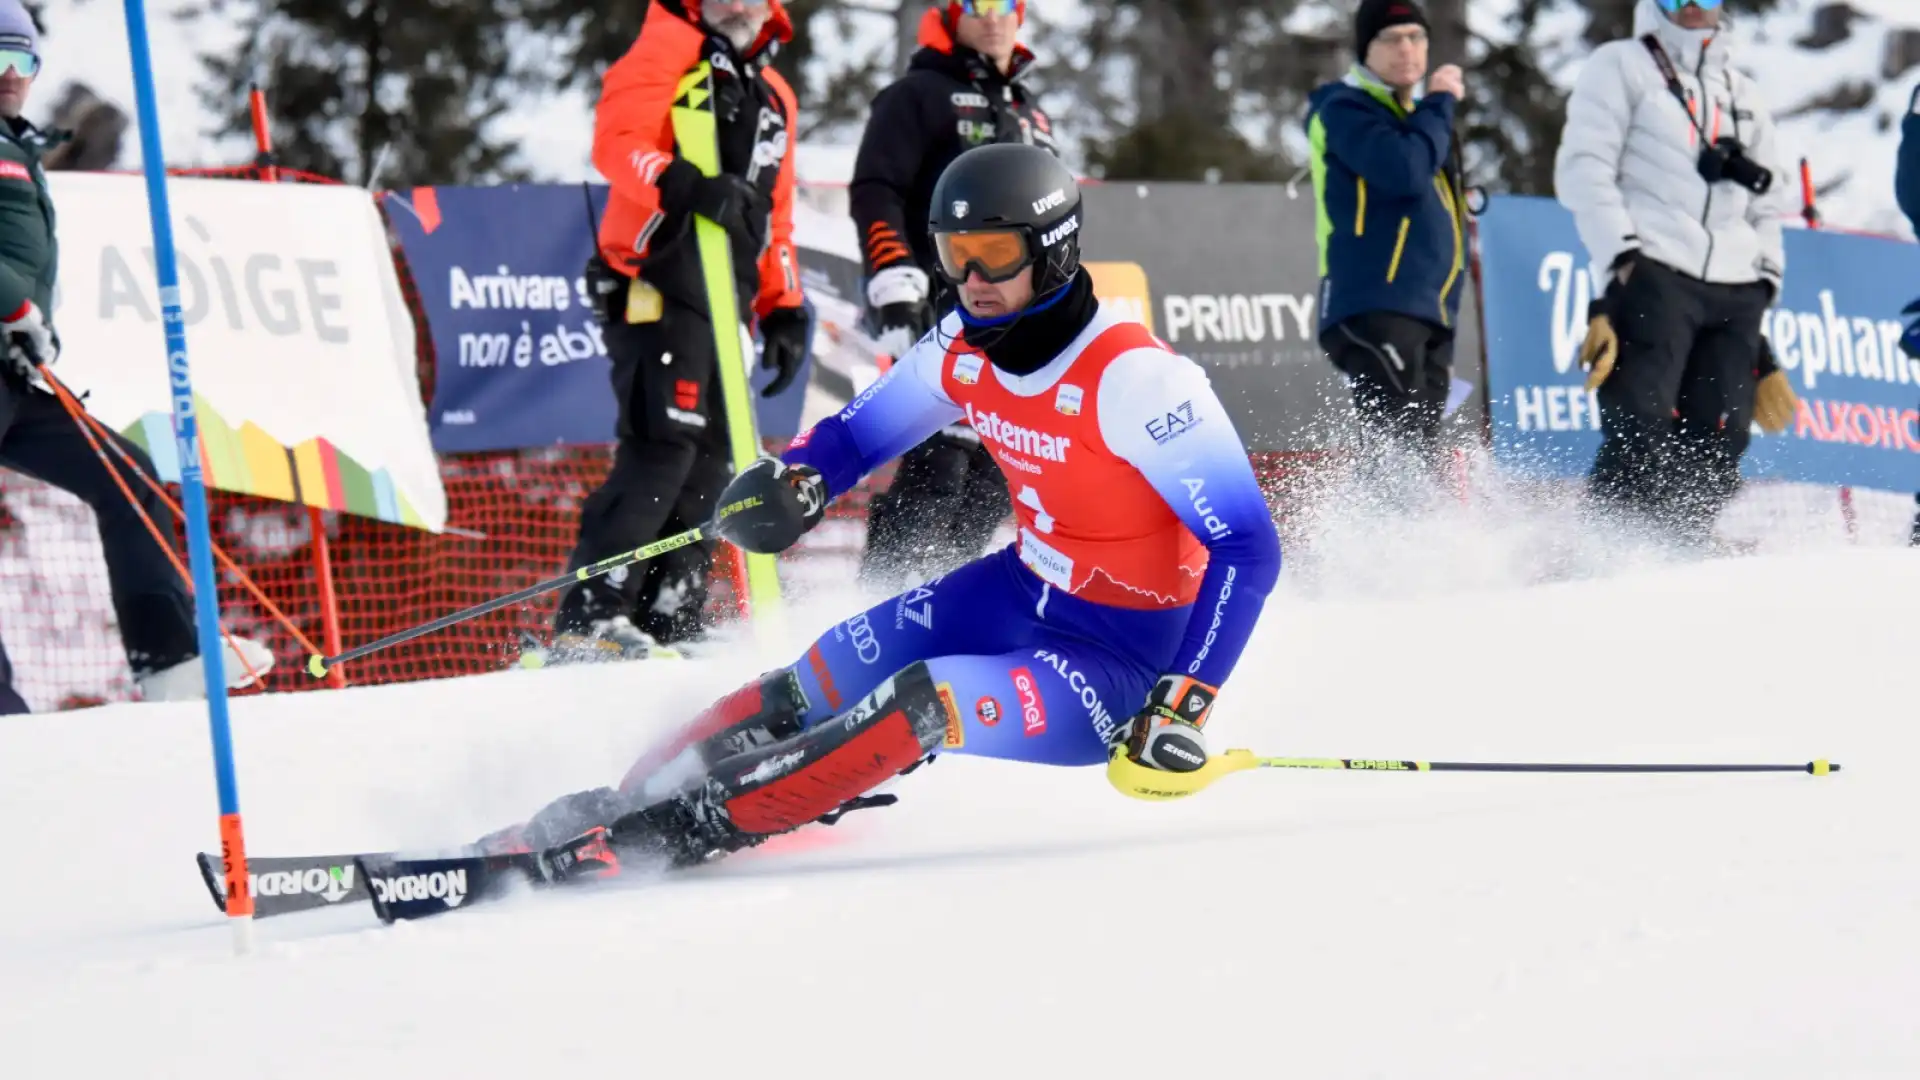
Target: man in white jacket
1668, 164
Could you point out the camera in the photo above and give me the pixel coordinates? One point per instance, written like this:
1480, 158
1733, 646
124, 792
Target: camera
1727, 160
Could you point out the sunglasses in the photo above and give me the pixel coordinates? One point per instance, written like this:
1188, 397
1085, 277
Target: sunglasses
1671, 6
19, 62
990, 7
996, 254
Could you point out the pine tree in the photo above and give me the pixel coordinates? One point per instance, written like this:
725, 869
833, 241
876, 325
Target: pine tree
410, 85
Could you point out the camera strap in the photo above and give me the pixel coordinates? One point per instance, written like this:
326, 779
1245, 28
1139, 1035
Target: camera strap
1665, 63
1697, 118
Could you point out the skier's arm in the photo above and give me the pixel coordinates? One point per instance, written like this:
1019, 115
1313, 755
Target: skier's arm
1159, 412
903, 407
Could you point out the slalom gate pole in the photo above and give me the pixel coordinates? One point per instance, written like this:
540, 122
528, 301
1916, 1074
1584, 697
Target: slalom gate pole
1141, 782
186, 433
318, 666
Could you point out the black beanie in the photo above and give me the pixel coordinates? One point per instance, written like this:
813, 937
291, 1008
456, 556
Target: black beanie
1376, 15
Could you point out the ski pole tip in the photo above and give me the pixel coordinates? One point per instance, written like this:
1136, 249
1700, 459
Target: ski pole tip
1822, 767
317, 666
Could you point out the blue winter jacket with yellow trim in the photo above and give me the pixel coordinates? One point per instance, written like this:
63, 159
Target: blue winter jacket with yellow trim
1391, 233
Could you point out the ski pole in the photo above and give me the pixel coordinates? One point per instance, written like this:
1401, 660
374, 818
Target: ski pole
318, 666
1141, 782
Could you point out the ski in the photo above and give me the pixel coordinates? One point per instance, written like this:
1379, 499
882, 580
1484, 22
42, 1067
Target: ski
403, 888
282, 886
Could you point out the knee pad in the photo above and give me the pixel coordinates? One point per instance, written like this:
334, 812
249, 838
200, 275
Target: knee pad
785, 786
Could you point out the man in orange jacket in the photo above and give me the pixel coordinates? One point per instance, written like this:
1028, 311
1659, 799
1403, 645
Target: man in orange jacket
672, 458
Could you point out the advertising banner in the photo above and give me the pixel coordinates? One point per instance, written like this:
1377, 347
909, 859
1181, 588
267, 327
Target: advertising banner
519, 359
1835, 331
300, 344
1231, 273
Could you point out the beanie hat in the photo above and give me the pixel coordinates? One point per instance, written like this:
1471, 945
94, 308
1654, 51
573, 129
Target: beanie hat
16, 28
1376, 15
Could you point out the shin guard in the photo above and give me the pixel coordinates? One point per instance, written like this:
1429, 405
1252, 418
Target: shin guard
785, 786
764, 711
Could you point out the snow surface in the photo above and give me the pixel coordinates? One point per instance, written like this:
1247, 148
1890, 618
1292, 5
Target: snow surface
1025, 921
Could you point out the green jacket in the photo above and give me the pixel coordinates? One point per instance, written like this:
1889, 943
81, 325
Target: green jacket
29, 253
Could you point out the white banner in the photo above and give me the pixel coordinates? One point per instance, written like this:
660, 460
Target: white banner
300, 344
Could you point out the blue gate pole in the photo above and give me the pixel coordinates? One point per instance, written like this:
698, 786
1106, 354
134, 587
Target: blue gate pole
186, 433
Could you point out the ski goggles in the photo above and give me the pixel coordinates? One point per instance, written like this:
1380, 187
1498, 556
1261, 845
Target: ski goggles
1671, 6
995, 254
990, 7
20, 62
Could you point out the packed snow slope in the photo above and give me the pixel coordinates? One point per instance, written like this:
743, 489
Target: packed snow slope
1021, 921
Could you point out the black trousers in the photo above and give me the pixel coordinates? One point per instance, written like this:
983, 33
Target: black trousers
946, 500
39, 439
1675, 413
1401, 368
670, 465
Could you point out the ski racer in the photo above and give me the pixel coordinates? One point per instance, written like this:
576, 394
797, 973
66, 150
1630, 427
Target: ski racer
1145, 553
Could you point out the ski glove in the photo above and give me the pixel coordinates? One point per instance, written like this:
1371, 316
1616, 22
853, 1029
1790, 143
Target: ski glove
733, 203
1601, 349
898, 296
783, 345
1166, 733
1774, 403
30, 341
770, 506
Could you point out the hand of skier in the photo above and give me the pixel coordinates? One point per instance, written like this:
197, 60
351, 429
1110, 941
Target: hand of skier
30, 341
770, 506
783, 345
1166, 733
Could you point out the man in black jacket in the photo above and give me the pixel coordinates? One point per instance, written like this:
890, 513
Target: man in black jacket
962, 88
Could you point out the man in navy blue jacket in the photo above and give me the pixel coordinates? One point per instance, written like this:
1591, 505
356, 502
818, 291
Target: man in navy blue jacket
1906, 188
1392, 237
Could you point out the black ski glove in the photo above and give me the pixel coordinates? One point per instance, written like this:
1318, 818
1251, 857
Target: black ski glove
770, 506
783, 346
731, 202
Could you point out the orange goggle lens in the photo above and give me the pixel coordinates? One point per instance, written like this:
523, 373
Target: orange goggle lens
997, 254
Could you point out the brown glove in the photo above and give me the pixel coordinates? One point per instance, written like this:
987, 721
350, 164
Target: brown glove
1774, 403
1599, 350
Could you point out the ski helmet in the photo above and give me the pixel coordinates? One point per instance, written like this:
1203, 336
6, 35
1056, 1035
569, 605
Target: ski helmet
1000, 208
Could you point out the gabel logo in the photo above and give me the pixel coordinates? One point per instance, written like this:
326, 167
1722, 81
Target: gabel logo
448, 885
1033, 710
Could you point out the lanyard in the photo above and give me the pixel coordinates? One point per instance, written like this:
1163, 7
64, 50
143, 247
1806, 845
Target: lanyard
1695, 119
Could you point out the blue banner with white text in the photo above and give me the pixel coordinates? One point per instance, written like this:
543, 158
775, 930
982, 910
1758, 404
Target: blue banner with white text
520, 360
1835, 330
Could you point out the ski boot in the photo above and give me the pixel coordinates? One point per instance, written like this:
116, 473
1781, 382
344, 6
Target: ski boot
602, 641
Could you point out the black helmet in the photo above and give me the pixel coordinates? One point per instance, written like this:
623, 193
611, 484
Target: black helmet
1002, 207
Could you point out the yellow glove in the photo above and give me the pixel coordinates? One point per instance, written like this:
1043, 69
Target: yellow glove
1599, 350
1774, 403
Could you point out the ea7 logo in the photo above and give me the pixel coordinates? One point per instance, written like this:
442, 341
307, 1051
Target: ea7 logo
1173, 423
1048, 201
447, 885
